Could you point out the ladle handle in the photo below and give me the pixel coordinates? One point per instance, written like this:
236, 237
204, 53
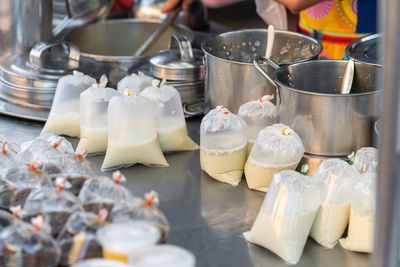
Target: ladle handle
266, 75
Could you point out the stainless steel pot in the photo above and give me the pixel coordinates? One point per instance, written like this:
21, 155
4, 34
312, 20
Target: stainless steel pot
329, 123
108, 47
231, 78
365, 49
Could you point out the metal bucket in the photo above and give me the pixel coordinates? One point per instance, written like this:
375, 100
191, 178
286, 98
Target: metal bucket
231, 78
329, 123
108, 47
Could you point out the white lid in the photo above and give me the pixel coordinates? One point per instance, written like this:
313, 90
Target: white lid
163, 255
99, 263
127, 236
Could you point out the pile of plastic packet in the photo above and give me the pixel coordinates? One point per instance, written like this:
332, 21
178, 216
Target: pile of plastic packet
52, 204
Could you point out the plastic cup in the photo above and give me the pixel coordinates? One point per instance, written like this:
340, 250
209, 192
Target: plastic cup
162, 255
99, 263
119, 240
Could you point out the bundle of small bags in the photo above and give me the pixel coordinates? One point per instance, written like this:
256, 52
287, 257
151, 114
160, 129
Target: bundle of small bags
135, 124
340, 195
53, 204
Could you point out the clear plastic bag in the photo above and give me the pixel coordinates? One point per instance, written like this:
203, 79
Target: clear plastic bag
48, 150
103, 193
25, 245
273, 13
5, 220
64, 118
223, 145
93, 117
135, 82
360, 234
77, 239
170, 120
17, 184
54, 205
139, 210
257, 114
8, 153
132, 134
366, 160
286, 216
277, 148
335, 178
76, 170
100, 263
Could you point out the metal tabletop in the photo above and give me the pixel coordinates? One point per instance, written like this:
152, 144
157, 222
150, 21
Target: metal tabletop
207, 217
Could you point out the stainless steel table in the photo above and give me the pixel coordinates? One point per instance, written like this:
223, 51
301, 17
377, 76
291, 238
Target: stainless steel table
206, 217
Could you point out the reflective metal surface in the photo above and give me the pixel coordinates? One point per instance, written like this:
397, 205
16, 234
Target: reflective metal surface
329, 123
206, 217
365, 49
231, 79
108, 47
23, 24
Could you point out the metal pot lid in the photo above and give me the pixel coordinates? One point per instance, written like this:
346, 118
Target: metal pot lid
365, 49
42, 68
179, 63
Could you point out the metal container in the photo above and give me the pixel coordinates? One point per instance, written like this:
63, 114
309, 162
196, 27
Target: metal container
231, 78
23, 24
329, 123
108, 47
365, 49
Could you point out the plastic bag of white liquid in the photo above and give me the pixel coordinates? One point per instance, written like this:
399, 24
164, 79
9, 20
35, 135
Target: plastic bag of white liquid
223, 145
286, 215
360, 234
277, 148
257, 114
64, 114
170, 120
135, 82
335, 178
366, 160
273, 13
93, 108
132, 134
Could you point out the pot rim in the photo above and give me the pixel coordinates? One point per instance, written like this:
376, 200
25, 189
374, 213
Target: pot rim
116, 21
280, 84
262, 30
356, 42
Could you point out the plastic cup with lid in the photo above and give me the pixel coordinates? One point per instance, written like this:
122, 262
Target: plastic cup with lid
119, 240
162, 255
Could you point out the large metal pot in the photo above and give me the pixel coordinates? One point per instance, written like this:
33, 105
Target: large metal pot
231, 78
108, 47
365, 49
329, 123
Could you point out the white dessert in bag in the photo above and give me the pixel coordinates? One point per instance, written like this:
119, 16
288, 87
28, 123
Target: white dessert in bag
360, 235
93, 108
223, 145
335, 178
257, 114
366, 160
132, 134
277, 148
64, 117
286, 216
170, 120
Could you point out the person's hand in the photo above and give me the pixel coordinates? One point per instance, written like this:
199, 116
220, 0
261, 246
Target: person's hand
171, 5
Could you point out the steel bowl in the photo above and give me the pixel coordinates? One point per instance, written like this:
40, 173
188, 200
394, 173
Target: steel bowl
108, 47
329, 123
231, 79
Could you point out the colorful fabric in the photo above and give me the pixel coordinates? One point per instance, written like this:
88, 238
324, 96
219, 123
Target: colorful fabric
335, 23
120, 5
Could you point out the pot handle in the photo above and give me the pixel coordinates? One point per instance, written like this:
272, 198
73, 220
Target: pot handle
188, 113
37, 51
265, 75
